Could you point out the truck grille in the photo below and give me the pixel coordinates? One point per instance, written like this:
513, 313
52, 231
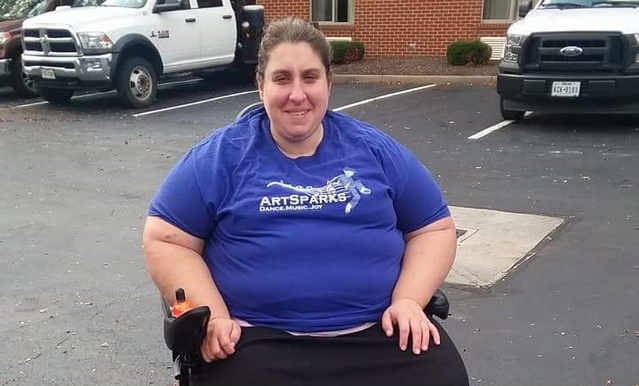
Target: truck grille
49, 42
597, 52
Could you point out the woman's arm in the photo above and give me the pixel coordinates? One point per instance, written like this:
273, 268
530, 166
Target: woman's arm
174, 259
429, 255
427, 259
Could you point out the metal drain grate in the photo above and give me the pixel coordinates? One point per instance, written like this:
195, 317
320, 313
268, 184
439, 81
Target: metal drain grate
464, 233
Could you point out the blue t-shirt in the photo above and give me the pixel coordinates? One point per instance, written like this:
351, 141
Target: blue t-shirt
308, 244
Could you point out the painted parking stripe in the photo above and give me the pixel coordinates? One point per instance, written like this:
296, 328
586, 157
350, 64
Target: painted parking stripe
161, 85
75, 97
254, 91
494, 128
193, 103
383, 97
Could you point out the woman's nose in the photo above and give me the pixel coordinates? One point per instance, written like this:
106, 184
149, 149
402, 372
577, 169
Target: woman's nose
298, 94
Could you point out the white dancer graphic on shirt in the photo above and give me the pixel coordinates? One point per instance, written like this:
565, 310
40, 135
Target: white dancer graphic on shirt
338, 185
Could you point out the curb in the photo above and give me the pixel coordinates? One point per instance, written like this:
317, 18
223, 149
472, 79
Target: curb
417, 79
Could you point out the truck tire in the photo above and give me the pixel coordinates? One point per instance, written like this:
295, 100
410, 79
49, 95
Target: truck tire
55, 96
20, 83
137, 82
513, 115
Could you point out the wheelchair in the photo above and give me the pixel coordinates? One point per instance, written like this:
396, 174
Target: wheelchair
184, 334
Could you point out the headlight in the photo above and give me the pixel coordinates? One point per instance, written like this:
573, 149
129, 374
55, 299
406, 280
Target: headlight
511, 50
4, 37
95, 41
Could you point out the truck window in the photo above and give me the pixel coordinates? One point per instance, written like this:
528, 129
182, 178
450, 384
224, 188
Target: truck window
209, 3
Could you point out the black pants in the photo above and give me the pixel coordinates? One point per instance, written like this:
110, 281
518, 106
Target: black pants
267, 357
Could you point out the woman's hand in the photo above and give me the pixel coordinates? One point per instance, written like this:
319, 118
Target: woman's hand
411, 321
222, 334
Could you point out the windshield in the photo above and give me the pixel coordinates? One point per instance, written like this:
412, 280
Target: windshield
124, 3
84, 3
588, 3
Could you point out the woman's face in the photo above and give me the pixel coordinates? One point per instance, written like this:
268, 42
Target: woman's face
295, 91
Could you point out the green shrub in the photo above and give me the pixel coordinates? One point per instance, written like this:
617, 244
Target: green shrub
462, 52
347, 51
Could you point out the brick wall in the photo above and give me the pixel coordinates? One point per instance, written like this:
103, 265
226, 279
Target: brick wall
274, 9
392, 28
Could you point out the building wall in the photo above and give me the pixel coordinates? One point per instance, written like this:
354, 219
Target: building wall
275, 9
391, 28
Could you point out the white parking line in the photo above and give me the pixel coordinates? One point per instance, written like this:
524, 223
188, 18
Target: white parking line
75, 97
390, 95
493, 128
108, 92
490, 129
249, 92
193, 103
383, 97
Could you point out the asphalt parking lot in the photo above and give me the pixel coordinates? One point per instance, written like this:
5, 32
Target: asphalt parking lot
79, 308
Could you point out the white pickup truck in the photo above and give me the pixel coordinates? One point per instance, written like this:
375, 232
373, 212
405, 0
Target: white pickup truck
128, 44
572, 56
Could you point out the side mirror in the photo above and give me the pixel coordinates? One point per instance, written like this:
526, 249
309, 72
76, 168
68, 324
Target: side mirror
164, 6
524, 8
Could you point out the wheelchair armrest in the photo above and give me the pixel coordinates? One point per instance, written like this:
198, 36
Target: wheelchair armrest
183, 335
438, 305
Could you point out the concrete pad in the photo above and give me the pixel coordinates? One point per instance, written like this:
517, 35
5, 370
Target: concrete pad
493, 242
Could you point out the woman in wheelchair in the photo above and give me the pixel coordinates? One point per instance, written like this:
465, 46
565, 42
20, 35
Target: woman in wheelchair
314, 239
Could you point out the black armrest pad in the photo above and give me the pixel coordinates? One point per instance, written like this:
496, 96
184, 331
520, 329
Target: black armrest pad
184, 334
438, 305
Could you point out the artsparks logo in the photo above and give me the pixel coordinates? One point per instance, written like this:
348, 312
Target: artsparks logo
340, 189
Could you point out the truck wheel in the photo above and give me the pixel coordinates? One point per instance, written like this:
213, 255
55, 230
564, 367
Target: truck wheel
55, 96
137, 83
20, 82
513, 115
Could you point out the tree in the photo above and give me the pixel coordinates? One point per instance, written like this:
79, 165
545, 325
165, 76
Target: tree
10, 9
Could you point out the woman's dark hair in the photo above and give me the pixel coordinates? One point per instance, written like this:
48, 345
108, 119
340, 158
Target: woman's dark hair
293, 30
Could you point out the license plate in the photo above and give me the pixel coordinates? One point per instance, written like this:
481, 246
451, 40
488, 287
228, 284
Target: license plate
48, 73
565, 89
